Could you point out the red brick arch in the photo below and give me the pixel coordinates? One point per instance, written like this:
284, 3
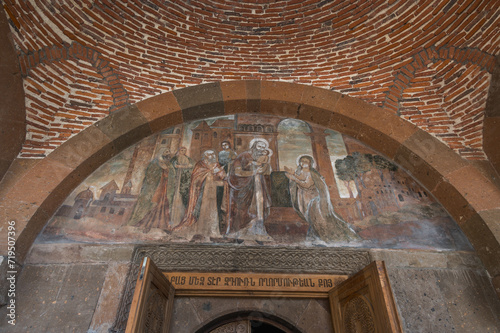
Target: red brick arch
468, 195
75, 50
458, 119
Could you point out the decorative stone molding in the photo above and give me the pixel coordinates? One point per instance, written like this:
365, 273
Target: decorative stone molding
219, 258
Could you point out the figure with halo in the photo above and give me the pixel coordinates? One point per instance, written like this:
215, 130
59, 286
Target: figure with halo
249, 192
311, 200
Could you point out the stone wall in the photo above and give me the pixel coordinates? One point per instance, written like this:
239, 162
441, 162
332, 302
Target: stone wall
78, 288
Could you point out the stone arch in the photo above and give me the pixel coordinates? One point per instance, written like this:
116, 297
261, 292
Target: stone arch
77, 51
431, 55
470, 196
254, 315
458, 57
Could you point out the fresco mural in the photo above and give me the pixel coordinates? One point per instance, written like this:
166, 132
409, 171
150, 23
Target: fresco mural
253, 179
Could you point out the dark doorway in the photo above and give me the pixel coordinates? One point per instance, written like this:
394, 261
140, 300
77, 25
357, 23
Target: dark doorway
260, 327
249, 322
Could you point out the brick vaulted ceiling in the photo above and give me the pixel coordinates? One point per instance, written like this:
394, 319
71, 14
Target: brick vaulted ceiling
431, 62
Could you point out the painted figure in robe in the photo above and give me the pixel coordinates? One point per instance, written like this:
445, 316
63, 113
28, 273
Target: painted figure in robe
226, 158
180, 168
202, 218
311, 200
226, 155
249, 194
152, 207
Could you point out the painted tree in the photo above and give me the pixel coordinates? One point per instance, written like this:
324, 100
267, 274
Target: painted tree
353, 168
345, 172
362, 164
381, 163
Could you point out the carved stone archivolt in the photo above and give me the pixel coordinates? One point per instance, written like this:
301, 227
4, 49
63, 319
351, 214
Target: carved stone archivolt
220, 258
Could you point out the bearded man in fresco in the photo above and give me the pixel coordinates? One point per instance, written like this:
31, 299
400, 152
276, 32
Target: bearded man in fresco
202, 214
249, 194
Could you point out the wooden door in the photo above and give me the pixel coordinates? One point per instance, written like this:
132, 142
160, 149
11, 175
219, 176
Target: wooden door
153, 301
364, 303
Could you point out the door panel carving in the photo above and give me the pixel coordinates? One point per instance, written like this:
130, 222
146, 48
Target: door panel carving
364, 303
153, 300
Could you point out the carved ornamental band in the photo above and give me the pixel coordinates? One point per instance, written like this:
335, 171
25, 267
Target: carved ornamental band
257, 259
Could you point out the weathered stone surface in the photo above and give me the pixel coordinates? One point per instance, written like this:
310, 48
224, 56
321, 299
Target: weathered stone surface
472, 305
161, 111
63, 299
418, 167
434, 300
434, 291
480, 192
316, 318
345, 125
427, 259
75, 152
419, 300
209, 308
125, 127
77, 253
234, 94
434, 152
253, 94
109, 299
280, 108
320, 98
314, 114
201, 101
378, 140
184, 317
482, 237
281, 91
455, 203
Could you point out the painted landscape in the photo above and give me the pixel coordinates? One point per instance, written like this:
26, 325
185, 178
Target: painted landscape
253, 179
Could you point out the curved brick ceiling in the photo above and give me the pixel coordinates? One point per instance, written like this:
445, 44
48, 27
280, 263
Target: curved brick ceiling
429, 61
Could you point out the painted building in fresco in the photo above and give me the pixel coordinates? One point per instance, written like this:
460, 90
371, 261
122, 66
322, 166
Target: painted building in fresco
299, 184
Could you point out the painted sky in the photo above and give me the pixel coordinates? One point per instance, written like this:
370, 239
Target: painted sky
292, 142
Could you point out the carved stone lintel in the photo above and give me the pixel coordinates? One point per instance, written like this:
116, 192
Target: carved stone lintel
219, 258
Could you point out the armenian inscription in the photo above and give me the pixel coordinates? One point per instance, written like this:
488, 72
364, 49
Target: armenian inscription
252, 284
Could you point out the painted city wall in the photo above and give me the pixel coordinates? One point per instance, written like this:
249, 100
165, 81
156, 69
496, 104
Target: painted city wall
253, 179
